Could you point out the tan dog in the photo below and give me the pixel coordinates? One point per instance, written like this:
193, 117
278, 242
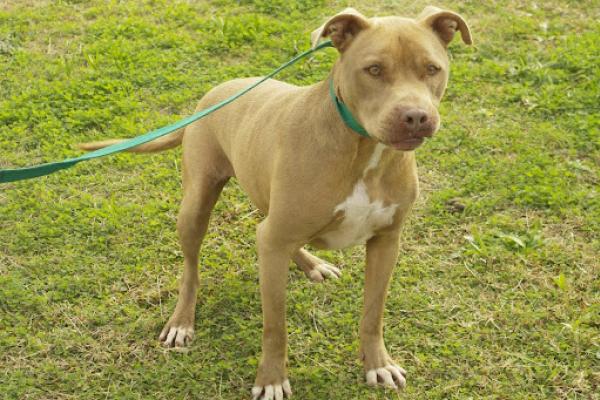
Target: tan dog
317, 181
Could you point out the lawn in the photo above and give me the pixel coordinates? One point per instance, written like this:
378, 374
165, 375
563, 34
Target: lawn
495, 296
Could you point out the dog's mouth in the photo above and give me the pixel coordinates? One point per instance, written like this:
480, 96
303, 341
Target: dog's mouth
407, 144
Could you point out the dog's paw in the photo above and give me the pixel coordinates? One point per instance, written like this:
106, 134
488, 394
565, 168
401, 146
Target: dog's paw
391, 376
323, 271
176, 336
272, 392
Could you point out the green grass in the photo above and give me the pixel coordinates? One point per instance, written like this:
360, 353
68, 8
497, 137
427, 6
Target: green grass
499, 300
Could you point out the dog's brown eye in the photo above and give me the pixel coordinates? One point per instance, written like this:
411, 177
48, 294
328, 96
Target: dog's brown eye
374, 70
432, 69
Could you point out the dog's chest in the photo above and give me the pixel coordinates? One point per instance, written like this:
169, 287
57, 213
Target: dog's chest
363, 214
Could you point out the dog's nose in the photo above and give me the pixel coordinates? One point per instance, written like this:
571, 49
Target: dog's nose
415, 119
412, 122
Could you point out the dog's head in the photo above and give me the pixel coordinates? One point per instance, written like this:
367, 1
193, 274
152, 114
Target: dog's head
393, 71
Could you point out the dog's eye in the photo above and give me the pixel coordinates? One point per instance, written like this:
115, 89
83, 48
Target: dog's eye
374, 70
432, 69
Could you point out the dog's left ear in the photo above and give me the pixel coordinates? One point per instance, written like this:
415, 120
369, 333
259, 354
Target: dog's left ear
342, 29
445, 24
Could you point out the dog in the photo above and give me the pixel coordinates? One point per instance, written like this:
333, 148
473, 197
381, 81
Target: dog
316, 180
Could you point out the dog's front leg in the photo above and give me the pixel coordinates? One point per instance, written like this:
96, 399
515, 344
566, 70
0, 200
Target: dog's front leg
382, 253
273, 263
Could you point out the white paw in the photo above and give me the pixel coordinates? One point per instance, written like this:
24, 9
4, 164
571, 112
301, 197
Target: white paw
176, 336
322, 271
272, 392
391, 376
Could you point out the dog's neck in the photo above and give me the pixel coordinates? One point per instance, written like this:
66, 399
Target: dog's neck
324, 116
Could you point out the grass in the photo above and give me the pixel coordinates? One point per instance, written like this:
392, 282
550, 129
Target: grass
496, 294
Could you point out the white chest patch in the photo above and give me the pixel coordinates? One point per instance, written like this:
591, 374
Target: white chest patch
362, 215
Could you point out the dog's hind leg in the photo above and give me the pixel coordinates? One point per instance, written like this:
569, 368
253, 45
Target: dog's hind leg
204, 176
315, 269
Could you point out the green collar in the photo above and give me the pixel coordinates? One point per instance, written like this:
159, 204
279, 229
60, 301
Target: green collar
345, 113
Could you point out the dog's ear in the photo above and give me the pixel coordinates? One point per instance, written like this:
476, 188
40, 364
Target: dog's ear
342, 29
445, 24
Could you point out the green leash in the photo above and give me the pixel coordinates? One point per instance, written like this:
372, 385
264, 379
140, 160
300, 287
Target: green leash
17, 174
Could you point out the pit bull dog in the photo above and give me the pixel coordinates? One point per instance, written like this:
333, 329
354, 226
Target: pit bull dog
316, 180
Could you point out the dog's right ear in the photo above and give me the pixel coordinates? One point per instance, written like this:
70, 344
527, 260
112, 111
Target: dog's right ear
342, 29
445, 24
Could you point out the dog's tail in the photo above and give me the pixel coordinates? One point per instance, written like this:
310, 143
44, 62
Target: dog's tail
166, 142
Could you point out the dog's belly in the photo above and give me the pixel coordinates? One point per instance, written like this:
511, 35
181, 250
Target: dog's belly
362, 217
